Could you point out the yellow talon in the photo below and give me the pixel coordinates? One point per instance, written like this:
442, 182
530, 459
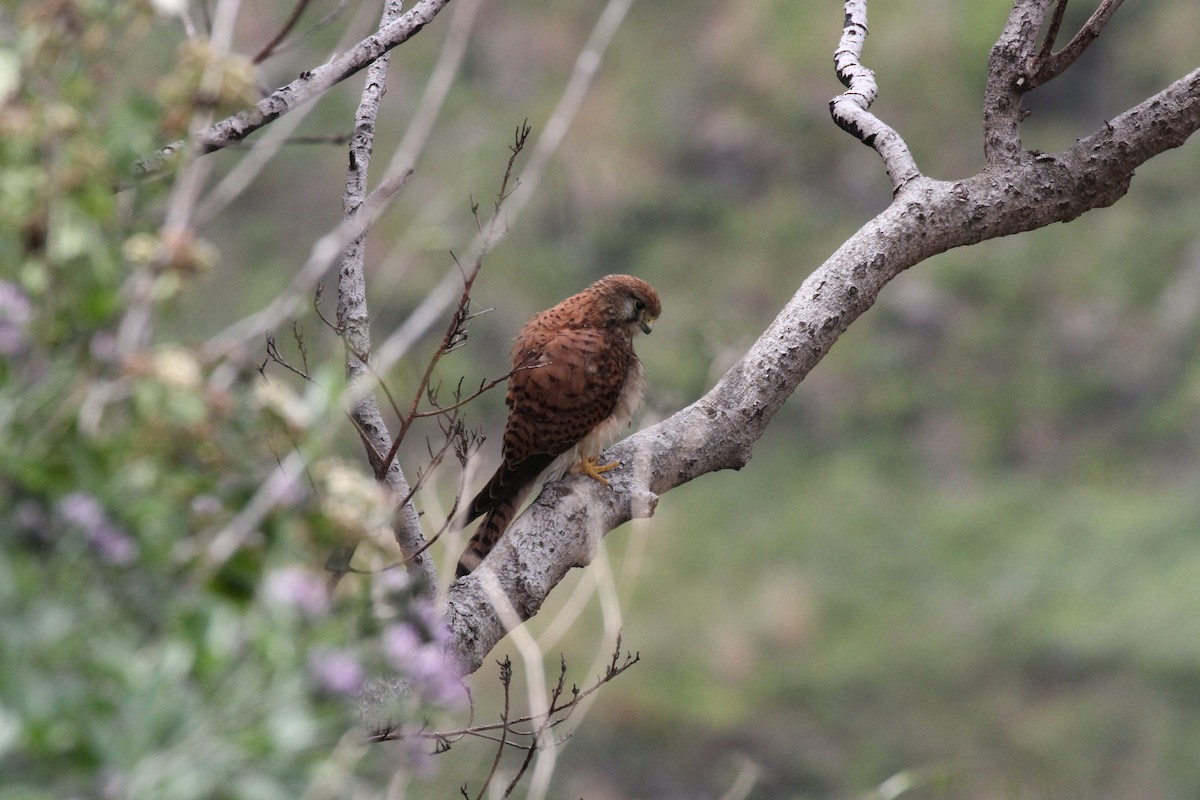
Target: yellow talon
590, 467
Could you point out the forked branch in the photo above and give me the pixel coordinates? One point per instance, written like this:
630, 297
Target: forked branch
1049, 65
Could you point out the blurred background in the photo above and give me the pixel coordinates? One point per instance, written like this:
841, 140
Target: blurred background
964, 562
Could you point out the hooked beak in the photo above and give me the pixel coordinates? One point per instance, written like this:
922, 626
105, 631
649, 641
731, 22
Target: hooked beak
647, 325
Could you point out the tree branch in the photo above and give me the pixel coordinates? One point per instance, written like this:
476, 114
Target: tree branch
1008, 77
1018, 191
850, 110
310, 85
1049, 66
355, 328
268, 49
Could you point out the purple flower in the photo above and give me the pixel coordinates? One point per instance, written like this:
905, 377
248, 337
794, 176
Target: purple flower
434, 677
298, 588
393, 581
16, 312
431, 620
84, 512
423, 663
206, 505
336, 671
400, 642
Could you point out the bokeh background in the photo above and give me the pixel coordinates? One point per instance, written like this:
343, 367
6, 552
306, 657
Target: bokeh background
964, 562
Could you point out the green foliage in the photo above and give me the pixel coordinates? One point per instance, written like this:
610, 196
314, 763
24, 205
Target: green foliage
139, 657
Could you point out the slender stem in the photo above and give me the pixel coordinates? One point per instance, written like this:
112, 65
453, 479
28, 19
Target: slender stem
269, 47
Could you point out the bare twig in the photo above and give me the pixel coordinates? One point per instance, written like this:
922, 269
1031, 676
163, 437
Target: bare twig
850, 109
274, 355
1049, 66
310, 85
486, 386
505, 681
538, 734
555, 714
453, 432
1060, 11
455, 330
269, 48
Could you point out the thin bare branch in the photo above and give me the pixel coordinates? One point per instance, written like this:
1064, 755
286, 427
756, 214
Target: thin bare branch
455, 330
438, 411
506, 682
850, 110
1050, 66
310, 85
537, 735
452, 434
555, 713
274, 355
269, 48
1060, 10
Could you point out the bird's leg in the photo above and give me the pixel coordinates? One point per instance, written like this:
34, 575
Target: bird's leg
589, 466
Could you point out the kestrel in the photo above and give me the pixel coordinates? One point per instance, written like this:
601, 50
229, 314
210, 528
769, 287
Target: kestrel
576, 383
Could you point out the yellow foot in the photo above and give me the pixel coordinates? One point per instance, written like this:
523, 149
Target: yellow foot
590, 467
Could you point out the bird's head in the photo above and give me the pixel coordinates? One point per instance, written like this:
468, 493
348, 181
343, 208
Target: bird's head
632, 303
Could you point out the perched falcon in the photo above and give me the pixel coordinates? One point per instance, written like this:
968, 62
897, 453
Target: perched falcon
576, 383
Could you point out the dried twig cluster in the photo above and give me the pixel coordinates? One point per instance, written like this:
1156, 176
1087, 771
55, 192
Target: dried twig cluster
523, 733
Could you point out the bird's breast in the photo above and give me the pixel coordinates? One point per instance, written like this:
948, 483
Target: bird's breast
627, 405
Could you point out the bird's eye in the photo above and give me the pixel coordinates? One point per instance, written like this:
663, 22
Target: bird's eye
639, 305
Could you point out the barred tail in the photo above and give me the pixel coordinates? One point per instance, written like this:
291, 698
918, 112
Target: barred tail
498, 502
495, 522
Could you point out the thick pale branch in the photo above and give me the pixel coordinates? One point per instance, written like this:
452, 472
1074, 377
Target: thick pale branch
718, 431
850, 109
1008, 78
354, 319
